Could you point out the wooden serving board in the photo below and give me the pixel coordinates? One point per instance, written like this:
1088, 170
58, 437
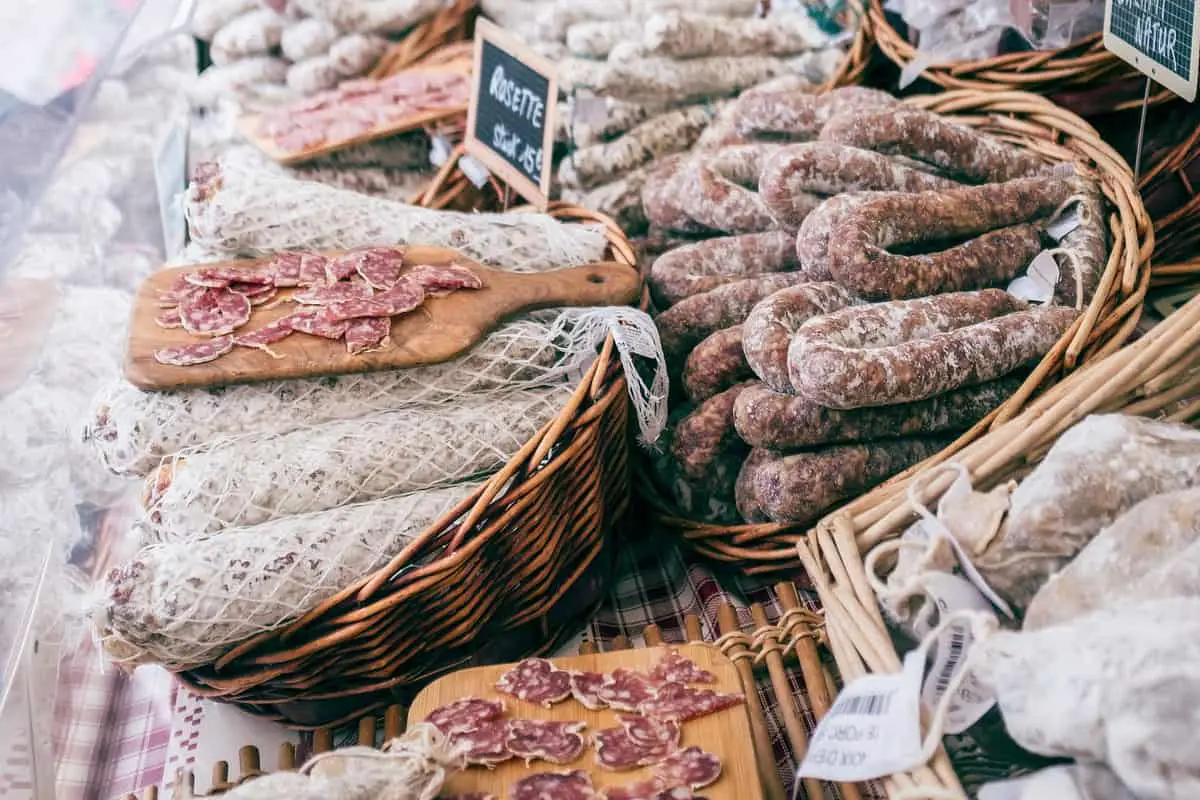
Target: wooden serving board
727, 733
442, 328
247, 126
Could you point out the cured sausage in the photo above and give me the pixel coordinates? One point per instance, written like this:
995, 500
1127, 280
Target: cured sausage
716, 364
661, 197
798, 488
705, 438
770, 325
1083, 253
961, 151
909, 350
812, 241
799, 116
684, 35
716, 194
765, 418
858, 246
696, 268
793, 174
685, 324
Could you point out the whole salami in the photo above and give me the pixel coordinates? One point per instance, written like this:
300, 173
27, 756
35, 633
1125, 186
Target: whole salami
716, 364
793, 174
933, 139
858, 246
766, 418
705, 443
696, 268
812, 241
909, 350
799, 116
715, 192
769, 327
661, 196
798, 488
682, 326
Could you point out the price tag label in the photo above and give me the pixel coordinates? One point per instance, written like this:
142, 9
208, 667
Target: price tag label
872, 730
1158, 37
510, 121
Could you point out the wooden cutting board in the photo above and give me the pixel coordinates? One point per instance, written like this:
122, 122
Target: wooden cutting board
727, 733
442, 328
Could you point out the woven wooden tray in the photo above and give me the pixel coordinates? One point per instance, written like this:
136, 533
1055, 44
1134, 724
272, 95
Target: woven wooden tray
1155, 376
1036, 124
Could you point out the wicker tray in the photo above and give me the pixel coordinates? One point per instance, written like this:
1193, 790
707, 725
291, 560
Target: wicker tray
506, 573
1036, 124
1155, 376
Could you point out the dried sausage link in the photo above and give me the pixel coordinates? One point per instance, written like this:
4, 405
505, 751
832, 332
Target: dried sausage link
716, 364
769, 327
699, 267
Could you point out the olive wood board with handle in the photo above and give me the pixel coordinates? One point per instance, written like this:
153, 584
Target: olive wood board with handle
725, 733
441, 329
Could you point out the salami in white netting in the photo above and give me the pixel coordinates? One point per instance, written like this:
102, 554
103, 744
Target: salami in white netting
371, 16
183, 604
238, 206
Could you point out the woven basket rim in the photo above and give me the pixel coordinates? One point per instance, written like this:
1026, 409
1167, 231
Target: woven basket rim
1106, 323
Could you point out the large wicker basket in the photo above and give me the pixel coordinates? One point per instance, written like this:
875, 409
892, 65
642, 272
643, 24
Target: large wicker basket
1155, 376
1034, 123
508, 572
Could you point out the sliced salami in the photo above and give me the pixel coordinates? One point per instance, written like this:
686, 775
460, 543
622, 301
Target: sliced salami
465, 715
251, 290
286, 269
312, 269
642, 790
585, 686
691, 767
627, 689
485, 744
678, 701
186, 355
535, 680
367, 334
262, 338
215, 277
340, 292
673, 666
343, 266
380, 267
169, 319
259, 299
651, 732
616, 750
573, 785
314, 323
173, 294
468, 796
405, 296
556, 742
214, 312
443, 280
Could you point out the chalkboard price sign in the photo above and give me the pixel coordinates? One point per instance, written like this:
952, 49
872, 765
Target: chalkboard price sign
510, 124
1158, 37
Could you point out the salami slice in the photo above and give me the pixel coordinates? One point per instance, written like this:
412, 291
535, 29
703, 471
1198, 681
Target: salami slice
573, 785
651, 732
173, 294
616, 751
340, 292
312, 269
465, 715
342, 267
585, 686
405, 296
556, 742
262, 338
468, 796
626, 689
380, 267
314, 323
443, 280
186, 355
691, 767
216, 277
680, 702
259, 299
286, 269
251, 290
642, 790
678, 668
368, 333
169, 319
486, 744
214, 312
535, 680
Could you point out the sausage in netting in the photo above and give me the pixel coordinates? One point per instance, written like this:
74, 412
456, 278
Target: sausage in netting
769, 327
716, 193
699, 267
770, 419
858, 246
961, 151
662, 193
812, 241
793, 174
682, 326
715, 364
799, 488
909, 350
797, 116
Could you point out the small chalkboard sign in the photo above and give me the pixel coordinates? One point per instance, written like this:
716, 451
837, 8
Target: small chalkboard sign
1158, 37
510, 122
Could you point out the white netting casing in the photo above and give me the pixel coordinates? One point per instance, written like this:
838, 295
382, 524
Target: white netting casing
241, 207
183, 604
256, 479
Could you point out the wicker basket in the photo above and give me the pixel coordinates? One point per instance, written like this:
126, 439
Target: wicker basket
454, 23
508, 572
1169, 188
1155, 376
1036, 124
1084, 77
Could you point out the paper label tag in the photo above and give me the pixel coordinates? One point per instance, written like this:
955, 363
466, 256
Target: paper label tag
1039, 281
439, 151
475, 171
872, 730
1066, 222
972, 700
